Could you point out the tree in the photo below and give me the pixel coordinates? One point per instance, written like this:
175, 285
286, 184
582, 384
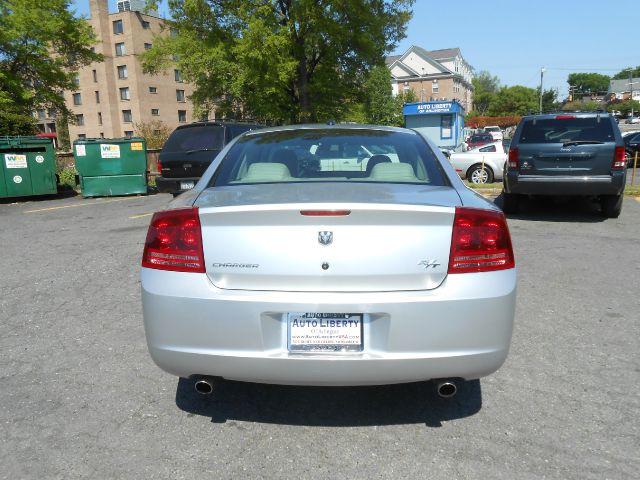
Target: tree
625, 107
585, 83
42, 45
155, 133
516, 100
380, 107
624, 74
485, 87
279, 60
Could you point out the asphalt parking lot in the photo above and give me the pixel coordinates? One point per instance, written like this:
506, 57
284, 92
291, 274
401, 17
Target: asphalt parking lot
81, 398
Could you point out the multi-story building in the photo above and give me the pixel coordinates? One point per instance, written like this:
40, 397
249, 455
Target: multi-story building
432, 75
112, 96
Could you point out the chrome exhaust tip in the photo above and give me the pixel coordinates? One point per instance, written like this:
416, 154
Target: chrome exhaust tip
446, 388
204, 386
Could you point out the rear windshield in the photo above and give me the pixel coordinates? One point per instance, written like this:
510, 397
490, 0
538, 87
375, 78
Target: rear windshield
330, 155
481, 138
552, 130
193, 139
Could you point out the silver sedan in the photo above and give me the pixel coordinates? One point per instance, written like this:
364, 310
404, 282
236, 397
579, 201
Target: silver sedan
297, 261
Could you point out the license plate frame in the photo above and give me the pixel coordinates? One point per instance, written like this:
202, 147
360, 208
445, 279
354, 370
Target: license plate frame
311, 332
187, 185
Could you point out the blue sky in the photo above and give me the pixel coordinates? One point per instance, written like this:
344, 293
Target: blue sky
513, 39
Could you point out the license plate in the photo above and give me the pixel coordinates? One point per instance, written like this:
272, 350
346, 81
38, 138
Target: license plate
324, 332
187, 185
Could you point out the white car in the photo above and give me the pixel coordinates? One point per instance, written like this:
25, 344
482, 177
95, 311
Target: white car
277, 267
495, 131
483, 164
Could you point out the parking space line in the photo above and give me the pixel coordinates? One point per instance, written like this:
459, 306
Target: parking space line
78, 205
141, 216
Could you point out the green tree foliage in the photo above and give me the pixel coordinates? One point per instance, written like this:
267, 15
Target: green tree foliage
625, 107
279, 60
485, 87
624, 74
155, 132
42, 45
516, 100
589, 82
379, 105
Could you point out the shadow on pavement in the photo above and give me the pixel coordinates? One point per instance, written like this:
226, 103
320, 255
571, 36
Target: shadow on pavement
62, 193
329, 406
557, 209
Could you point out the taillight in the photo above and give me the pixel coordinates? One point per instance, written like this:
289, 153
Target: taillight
174, 242
565, 117
480, 242
514, 161
619, 162
159, 167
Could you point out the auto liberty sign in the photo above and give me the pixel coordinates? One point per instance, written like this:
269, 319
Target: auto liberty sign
427, 108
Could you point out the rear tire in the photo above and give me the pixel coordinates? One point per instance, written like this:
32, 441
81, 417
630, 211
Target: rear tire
611, 205
510, 202
479, 177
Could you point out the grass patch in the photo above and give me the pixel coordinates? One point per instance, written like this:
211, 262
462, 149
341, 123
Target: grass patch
633, 191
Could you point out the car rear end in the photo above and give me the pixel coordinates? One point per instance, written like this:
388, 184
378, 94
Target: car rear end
326, 280
567, 154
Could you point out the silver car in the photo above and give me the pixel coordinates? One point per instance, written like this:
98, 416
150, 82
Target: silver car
329, 255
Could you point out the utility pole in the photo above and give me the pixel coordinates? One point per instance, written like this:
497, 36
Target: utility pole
631, 86
422, 87
542, 70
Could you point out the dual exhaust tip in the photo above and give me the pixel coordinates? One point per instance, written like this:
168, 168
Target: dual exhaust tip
444, 388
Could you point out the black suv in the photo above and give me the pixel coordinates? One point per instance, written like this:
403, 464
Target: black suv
190, 149
567, 154
632, 146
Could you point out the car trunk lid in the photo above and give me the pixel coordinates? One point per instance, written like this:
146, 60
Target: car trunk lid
394, 241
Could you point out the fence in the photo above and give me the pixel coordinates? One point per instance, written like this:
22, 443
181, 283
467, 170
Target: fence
65, 160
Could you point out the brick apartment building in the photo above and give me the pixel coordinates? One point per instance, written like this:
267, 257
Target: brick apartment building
112, 96
433, 75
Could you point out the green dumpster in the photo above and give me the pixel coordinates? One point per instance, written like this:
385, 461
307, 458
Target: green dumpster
28, 167
114, 166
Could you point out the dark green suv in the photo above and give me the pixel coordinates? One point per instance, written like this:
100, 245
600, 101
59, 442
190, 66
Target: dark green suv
567, 154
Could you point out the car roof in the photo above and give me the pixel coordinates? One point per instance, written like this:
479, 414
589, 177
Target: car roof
552, 116
215, 123
331, 126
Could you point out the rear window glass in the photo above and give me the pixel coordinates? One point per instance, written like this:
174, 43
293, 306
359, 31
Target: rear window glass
330, 155
481, 138
551, 130
195, 139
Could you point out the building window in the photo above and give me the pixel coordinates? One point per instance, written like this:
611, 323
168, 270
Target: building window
99, 118
182, 116
120, 49
147, 46
118, 27
128, 133
42, 114
435, 88
76, 80
153, 90
155, 111
180, 95
146, 25
101, 134
124, 93
126, 116
82, 135
77, 99
97, 96
122, 72
95, 76
80, 120
177, 75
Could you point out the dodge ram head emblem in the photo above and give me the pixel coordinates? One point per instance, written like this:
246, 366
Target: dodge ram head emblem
325, 238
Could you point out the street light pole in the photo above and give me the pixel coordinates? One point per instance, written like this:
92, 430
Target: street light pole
542, 70
421, 86
631, 86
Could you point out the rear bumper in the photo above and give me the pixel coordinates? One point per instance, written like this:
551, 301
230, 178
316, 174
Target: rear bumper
172, 185
565, 185
461, 329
